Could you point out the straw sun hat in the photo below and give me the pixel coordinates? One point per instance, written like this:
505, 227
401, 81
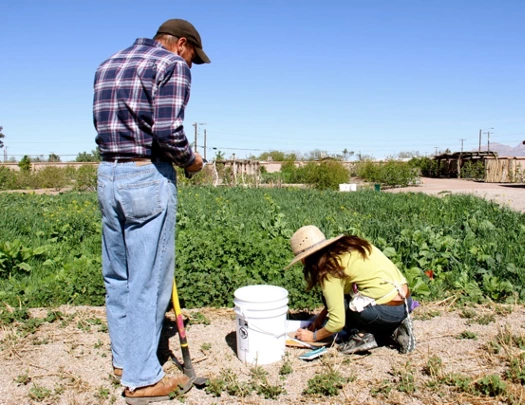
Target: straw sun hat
307, 240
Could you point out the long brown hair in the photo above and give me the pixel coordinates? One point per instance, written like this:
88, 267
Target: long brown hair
325, 262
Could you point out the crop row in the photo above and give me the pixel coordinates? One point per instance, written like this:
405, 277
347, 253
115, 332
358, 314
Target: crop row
458, 246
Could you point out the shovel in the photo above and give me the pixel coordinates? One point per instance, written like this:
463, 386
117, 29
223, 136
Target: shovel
187, 367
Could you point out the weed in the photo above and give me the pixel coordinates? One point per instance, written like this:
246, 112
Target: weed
460, 381
405, 381
39, 393
37, 341
286, 367
102, 393
258, 373
205, 347
326, 384
516, 370
468, 313
269, 391
433, 367
484, 319
466, 334
505, 338
384, 388
259, 382
491, 385
426, 315
23, 379
503, 310
17, 315
197, 318
227, 381
99, 344
215, 386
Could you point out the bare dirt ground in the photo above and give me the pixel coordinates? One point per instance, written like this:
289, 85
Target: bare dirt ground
510, 195
67, 360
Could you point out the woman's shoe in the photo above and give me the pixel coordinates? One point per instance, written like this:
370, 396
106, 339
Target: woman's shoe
404, 336
360, 342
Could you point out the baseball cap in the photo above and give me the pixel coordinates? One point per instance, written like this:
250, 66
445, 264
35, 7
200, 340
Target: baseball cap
182, 28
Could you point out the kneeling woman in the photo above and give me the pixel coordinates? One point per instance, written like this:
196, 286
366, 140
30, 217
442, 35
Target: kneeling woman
364, 292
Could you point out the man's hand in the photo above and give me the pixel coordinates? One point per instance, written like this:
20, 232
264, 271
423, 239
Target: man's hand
196, 166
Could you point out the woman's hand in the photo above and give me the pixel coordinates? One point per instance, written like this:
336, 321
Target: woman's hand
304, 335
318, 321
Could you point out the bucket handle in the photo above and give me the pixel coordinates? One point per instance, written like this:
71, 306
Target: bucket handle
257, 329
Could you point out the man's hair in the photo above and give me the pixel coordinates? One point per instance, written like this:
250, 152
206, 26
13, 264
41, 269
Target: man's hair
166, 39
319, 265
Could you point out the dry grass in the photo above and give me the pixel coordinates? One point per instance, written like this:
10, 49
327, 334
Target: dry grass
68, 361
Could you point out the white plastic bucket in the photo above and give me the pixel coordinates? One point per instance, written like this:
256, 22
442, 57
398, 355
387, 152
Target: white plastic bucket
261, 323
348, 187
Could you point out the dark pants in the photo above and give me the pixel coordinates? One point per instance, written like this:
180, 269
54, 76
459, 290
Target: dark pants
380, 320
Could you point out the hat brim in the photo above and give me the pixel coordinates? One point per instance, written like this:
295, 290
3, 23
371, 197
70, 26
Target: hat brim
312, 250
200, 57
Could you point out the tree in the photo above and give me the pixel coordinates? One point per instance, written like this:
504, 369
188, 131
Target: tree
277, 156
317, 154
53, 157
362, 157
25, 164
219, 156
347, 154
94, 156
408, 155
2, 136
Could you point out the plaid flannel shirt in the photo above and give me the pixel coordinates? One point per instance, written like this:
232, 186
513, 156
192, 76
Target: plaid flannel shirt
140, 95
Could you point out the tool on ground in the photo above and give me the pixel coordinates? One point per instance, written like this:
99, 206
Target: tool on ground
187, 366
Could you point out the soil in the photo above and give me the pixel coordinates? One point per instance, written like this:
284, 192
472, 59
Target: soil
68, 361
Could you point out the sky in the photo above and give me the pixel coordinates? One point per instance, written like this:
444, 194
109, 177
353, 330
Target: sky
376, 77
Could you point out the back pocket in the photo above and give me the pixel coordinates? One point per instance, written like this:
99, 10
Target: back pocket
141, 201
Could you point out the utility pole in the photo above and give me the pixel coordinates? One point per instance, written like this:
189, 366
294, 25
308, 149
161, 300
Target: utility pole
459, 160
479, 149
436, 150
488, 140
196, 125
204, 144
480, 131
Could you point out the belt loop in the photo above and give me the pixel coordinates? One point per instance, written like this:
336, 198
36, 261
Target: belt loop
115, 162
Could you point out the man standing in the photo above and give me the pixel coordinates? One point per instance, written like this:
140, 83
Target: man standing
140, 95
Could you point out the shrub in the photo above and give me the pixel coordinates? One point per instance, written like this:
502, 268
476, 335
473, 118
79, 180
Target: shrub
473, 170
25, 164
50, 177
7, 178
391, 173
85, 178
326, 175
427, 167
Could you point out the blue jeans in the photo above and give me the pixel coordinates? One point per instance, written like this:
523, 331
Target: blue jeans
381, 320
138, 205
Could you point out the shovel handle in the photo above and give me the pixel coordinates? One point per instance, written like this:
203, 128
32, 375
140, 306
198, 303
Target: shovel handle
186, 358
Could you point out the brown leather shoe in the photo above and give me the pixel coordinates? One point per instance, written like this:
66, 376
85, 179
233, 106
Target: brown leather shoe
160, 391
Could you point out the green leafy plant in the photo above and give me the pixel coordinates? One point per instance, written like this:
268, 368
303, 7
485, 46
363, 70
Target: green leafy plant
491, 385
39, 393
197, 318
328, 383
14, 257
467, 335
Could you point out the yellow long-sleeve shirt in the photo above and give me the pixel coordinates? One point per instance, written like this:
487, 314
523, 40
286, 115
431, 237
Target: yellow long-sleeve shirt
373, 277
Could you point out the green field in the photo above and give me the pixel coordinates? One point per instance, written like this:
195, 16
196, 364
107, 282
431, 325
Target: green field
230, 237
